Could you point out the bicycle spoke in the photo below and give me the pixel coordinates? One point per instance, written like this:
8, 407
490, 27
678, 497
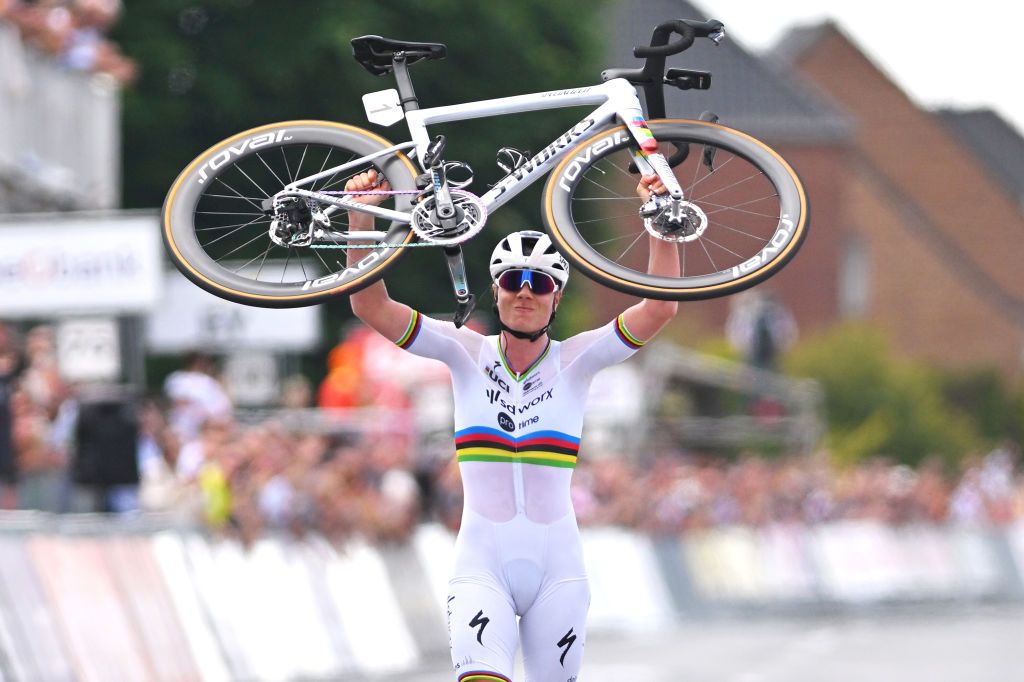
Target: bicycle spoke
773, 216
240, 194
708, 254
615, 198
237, 248
276, 176
345, 179
288, 168
269, 244
262, 262
693, 183
329, 183
613, 239
733, 229
327, 268
711, 241
241, 227
720, 167
613, 217
239, 169
225, 227
323, 165
298, 256
228, 213
738, 182
228, 196
298, 171
621, 255
286, 259
610, 191
626, 173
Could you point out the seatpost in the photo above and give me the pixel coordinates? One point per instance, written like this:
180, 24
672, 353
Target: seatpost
406, 93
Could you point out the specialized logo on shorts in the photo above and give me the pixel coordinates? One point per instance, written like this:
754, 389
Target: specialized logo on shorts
482, 621
567, 642
505, 422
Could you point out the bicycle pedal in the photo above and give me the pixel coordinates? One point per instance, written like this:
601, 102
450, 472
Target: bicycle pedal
510, 159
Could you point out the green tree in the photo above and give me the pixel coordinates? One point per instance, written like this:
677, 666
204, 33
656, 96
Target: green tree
878, 404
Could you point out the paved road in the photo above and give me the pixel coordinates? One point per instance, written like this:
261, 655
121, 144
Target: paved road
946, 644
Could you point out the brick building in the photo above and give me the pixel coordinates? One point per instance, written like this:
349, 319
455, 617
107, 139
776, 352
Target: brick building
935, 232
752, 94
917, 220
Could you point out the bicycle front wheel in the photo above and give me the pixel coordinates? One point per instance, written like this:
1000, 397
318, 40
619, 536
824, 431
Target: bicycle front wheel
751, 210
217, 228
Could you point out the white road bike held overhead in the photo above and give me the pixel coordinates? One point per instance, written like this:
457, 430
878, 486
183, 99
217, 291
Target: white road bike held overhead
261, 218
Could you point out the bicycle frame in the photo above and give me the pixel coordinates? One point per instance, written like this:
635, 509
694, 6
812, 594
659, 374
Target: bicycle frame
616, 98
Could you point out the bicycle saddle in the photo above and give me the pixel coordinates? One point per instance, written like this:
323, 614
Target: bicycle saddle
375, 53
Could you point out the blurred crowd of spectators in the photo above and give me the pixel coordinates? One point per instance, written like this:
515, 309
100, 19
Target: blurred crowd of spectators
194, 460
73, 32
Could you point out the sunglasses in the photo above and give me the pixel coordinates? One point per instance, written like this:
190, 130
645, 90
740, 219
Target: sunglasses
540, 282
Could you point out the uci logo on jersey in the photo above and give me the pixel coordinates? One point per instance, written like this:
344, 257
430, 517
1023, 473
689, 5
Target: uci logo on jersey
505, 422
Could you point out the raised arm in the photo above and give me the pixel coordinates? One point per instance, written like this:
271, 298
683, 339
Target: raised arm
645, 319
372, 305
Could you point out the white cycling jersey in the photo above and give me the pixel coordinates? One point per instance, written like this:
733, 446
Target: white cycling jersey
518, 552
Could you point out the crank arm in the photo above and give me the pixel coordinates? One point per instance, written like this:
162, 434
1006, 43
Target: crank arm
457, 271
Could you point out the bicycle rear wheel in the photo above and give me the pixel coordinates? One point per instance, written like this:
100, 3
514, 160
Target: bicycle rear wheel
751, 205
217, 229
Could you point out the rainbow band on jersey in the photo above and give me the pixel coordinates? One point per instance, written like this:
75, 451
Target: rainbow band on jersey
482, 677
624, 335
545, 448
415, 323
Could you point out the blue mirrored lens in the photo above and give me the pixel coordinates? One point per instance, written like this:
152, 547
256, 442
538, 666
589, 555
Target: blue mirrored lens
539, 282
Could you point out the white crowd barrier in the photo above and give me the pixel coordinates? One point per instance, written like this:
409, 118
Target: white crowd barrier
180, 605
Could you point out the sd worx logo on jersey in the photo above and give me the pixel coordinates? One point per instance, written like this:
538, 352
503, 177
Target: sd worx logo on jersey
505, 422
494, 396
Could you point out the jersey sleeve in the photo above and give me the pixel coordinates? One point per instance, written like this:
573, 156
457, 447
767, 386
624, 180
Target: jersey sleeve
439, 340
592, 351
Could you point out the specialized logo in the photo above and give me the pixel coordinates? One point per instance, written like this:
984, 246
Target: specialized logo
567, 642
572, 91
576, 165
482, 621
543, 156
356, 269
775, 245
249, 143
506, 422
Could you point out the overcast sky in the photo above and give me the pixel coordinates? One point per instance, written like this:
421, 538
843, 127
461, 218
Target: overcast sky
941, 53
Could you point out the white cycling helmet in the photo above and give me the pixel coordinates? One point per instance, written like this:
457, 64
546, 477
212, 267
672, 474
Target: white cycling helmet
532, 250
